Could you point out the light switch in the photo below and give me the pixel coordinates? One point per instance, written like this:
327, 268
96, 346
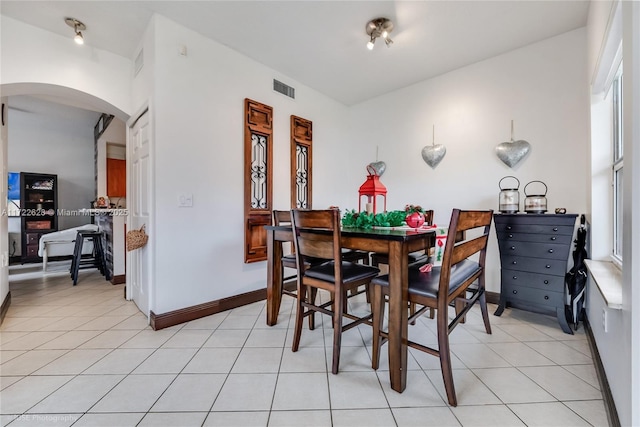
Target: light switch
185, 200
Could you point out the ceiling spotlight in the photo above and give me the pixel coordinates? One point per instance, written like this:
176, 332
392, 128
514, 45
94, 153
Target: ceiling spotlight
379, 27
78, 27
370, 43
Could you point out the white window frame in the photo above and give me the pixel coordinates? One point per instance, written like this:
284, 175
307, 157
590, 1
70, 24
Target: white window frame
617, 167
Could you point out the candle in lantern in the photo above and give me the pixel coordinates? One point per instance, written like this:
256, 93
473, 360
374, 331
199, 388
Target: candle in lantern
369, 208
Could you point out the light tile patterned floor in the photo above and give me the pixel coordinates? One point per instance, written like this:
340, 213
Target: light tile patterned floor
84, 356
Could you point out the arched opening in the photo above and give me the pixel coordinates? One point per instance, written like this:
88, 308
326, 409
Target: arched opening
79, 171
63, 95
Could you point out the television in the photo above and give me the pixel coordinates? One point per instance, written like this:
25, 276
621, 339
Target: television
13, 195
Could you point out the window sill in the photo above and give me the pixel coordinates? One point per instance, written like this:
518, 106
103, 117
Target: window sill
608, 278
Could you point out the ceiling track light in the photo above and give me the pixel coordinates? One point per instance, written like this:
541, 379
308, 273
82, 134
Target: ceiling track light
78, 27
379, 27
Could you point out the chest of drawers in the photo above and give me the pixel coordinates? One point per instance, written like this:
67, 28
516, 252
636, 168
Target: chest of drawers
534, 249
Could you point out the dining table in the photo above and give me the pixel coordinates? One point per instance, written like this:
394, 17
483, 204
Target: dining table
397, 242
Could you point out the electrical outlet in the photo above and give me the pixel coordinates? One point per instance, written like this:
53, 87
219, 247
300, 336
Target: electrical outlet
605, 326
185, 200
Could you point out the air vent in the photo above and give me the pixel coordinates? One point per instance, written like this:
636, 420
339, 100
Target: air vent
139, 63
284, 89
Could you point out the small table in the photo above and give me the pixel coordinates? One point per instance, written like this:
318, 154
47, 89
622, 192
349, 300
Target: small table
397, 243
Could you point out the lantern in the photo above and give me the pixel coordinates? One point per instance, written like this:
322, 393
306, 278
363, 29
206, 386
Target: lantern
535, 203
371, 189
509, 200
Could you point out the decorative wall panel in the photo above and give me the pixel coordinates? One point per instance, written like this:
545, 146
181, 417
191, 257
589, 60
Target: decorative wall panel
301, 164
258, 178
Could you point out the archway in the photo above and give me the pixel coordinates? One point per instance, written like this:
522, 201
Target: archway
63, 95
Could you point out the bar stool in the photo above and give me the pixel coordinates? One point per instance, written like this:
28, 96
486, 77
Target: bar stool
97, 258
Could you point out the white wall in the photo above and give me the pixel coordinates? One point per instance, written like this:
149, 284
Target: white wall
618, 345
631, 200
34, 56
542, 87
199, 116
50, 141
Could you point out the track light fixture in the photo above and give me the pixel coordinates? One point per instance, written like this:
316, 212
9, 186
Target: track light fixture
379, 27
78, 27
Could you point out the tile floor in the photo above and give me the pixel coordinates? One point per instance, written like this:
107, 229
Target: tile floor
84, 356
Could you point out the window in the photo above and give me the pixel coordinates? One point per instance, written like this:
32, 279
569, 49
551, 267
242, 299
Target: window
617, 170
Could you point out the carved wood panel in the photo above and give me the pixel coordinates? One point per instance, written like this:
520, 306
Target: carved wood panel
258, 178
301, 162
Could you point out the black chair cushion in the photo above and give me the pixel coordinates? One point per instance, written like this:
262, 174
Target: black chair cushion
418, 257
290, 261
426, 284
351, 272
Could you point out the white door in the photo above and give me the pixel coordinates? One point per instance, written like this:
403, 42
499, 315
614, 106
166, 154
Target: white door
139, 194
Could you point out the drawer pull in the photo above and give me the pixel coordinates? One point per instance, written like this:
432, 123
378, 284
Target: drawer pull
555, 228
511, 236
553, 238
515, 292
546, 297
547, 266
514, 262
513, 248
508, 227
546, 282
550, 251
515, 277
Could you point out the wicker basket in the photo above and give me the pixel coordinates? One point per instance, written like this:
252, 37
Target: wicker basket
136, 239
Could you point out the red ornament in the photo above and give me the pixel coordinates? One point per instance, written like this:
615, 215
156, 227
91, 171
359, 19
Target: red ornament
415, 220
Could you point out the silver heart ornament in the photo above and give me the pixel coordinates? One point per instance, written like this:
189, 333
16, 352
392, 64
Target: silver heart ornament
433, 154
512, 152
376, 168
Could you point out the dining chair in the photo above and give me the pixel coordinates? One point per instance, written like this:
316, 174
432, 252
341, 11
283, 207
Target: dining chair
317, 234
463, 265
420, 256
289, 260
288, 286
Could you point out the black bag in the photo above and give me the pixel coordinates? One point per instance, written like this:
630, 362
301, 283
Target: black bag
576, 278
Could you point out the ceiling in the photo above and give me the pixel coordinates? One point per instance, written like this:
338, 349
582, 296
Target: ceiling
321, 44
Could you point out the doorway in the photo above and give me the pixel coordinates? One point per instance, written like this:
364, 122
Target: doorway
66, 98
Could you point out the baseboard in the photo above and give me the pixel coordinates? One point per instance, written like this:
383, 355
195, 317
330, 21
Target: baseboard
492, 297
609, 403
18, 259
120, 278
5, 307
165, 320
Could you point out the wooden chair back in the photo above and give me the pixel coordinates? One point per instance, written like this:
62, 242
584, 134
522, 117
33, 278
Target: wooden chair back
281, 218
428, 217
317, 235
472, 231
